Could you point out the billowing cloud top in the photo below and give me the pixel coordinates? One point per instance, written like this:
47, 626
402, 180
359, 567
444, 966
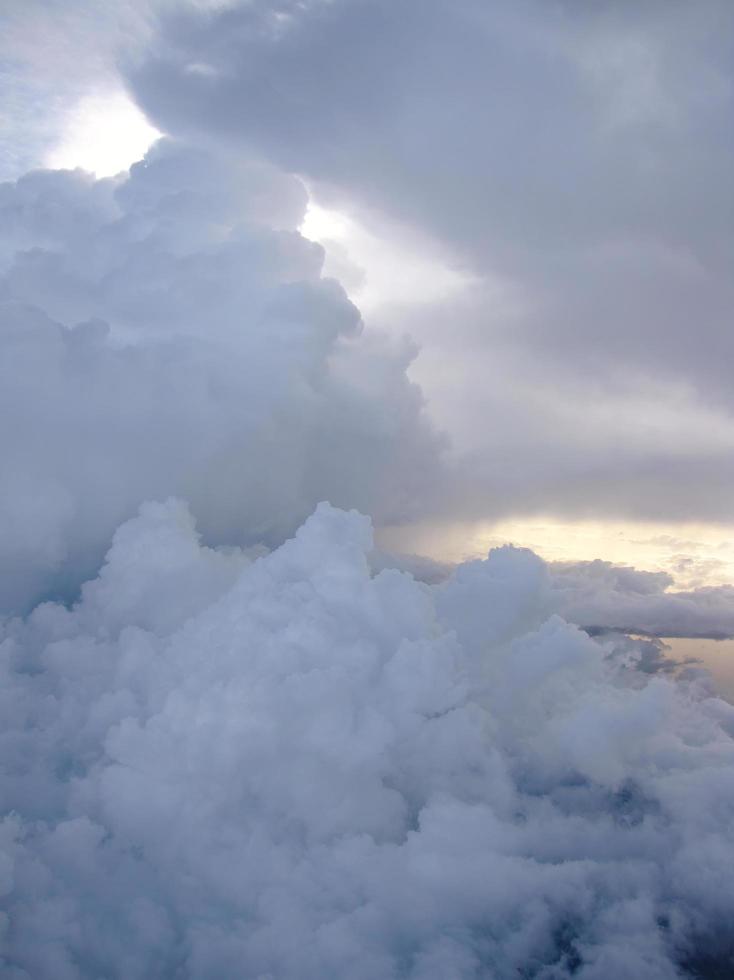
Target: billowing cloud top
291, 768
170, 333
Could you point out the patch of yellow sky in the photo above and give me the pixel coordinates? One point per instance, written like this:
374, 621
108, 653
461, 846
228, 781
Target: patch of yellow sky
695, 554
105, 133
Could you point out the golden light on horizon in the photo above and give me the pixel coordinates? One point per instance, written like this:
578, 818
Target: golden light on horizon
695, 554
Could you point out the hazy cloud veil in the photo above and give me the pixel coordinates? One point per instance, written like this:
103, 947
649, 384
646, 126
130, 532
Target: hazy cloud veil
232, 748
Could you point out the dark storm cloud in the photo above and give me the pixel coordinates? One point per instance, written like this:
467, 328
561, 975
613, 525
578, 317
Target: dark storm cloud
581, 154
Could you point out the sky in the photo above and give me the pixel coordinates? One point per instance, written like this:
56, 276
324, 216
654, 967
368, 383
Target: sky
367, 460
539, 199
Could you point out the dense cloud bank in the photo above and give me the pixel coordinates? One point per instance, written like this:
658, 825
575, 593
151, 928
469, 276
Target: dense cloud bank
169, 332
289, 767
575, 158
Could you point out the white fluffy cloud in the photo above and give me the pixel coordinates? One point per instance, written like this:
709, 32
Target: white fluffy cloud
170, 333
216, 767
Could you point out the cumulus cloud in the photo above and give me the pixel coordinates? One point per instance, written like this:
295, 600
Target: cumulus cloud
169, 332
216, 766
597, 595
579, 156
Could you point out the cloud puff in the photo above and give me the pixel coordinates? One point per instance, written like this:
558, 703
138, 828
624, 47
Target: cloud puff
169, 332
289, 767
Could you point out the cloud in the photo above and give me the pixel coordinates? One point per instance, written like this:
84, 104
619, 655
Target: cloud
169, 333
578, 157
596, 595
246, 745
290, 767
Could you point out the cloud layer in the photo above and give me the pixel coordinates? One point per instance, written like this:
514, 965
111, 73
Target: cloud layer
240, 749
575, 161
597, 593
216, 767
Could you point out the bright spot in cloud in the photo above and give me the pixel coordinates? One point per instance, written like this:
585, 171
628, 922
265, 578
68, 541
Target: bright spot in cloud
379, 270
104, 133
321, 223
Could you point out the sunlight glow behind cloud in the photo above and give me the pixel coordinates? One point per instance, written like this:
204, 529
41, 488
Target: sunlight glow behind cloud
379, 269
104, 134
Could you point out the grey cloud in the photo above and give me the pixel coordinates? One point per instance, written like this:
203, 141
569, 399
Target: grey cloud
580, 153
239, 755
507, 107
170, 333
597, 595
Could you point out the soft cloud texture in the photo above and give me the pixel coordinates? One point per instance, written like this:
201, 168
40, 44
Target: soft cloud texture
53, 55
169, 332
579, 156
216, 767
245, 750
598, 593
